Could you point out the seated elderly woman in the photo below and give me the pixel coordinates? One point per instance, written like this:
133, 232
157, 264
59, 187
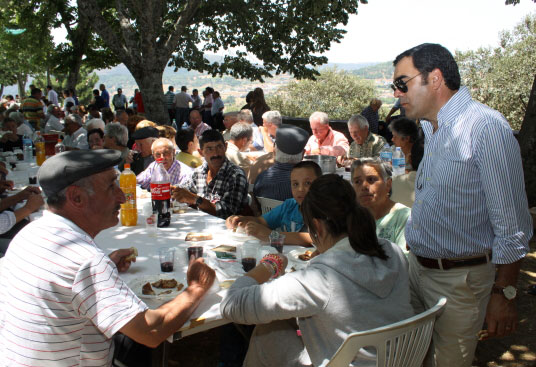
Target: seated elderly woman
95, 139
329, 299
10, 140
286, 216
372, 183
407, 136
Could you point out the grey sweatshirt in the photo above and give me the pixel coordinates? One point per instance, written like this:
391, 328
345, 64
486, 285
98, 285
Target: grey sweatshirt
340, 292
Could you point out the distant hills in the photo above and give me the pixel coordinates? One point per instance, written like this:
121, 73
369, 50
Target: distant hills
233, 90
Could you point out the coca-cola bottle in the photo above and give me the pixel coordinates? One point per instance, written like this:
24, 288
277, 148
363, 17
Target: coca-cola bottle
161, 193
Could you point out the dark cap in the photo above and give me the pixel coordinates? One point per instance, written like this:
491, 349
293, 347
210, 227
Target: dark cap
184, 88
64, 169
291, 139
145, 132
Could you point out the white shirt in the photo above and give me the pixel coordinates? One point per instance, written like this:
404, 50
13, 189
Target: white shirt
67, 100
24, 129
77, 140
61, 298
182, 100
53, 97
53, 123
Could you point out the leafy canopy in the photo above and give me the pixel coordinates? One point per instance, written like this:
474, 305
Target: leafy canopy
336, 92
500, 77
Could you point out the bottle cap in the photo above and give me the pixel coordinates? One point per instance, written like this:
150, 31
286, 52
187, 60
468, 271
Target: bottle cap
127, 165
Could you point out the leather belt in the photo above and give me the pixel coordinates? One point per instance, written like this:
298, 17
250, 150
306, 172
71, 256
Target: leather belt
446, 264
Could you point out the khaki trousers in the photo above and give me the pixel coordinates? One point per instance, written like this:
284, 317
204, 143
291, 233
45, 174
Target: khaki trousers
467, 290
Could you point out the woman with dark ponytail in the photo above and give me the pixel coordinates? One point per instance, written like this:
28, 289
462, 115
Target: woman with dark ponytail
357, 282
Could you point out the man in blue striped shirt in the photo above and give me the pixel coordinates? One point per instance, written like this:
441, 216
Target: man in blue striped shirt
470, 226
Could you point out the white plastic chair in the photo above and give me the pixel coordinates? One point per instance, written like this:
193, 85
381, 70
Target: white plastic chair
268, 204
402, 344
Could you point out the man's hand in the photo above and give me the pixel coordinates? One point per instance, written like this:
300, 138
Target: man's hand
34, 202
29, 191
234, 221
6, 185
200, 274
184, 196
119, 258
501, 316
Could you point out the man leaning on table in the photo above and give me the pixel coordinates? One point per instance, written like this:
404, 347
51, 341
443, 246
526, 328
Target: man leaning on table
325, 140
218, 187
470, 226
61, 296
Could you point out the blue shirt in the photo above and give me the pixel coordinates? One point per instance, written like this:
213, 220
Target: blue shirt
284, 215
470, 192
274, 183
106, 97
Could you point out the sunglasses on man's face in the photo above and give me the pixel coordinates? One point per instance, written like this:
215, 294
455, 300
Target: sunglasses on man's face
402, 85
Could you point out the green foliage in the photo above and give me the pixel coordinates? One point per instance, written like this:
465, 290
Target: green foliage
501, 77
84, 88
382, 70
338, 93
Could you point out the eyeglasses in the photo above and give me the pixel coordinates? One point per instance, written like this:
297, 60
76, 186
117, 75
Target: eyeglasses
401, 85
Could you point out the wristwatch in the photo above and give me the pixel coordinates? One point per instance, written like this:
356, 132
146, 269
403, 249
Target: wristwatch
509, 292
198, 201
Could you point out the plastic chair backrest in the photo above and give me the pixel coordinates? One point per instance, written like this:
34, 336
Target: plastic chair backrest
403, 343
268, 204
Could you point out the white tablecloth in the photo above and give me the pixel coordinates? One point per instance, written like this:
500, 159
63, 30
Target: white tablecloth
147, 264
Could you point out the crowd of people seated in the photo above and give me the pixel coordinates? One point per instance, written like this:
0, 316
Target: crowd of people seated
371, 253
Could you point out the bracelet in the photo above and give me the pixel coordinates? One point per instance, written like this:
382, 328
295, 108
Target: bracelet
275, 262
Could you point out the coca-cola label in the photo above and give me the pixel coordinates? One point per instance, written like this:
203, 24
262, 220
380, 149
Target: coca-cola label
160, 191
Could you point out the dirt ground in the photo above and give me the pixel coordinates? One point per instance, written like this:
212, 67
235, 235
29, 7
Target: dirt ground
518, 350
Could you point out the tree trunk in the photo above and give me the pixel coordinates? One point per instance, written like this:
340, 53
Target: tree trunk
74, 75
2, 90
21, 83
527, 142
151, 88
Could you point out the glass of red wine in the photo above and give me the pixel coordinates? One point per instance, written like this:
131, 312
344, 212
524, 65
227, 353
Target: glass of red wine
248, 254
167, 257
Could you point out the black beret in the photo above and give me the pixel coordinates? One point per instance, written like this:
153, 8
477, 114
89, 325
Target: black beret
62, 170
291, 139
145, 132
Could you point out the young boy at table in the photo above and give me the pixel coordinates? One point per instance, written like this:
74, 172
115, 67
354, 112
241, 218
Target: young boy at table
286, 216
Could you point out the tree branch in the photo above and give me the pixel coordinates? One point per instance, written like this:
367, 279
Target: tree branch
105, 31
178, 29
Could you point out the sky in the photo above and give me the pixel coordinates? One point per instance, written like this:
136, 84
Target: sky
384, 28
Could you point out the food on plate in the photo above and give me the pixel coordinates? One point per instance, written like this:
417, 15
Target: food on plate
306, 256
133, 254
198, 236
147, 289
226, 284
165, 283
165, 292
180, 286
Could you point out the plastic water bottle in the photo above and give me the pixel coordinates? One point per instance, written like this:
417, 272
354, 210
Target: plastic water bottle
386, 154
129, 212
161, 194
59, 147
27, 148
184, 126
399, 162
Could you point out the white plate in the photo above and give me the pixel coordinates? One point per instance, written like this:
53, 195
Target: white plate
137, 284
293, 255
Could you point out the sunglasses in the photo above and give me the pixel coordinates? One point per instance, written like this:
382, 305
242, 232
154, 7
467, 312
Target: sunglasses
401, 85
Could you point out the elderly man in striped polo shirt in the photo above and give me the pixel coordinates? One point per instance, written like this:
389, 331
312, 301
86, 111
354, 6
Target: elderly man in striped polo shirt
470, 226
61, 297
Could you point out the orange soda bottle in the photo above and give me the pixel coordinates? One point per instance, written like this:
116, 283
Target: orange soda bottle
40, 154
129, 212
